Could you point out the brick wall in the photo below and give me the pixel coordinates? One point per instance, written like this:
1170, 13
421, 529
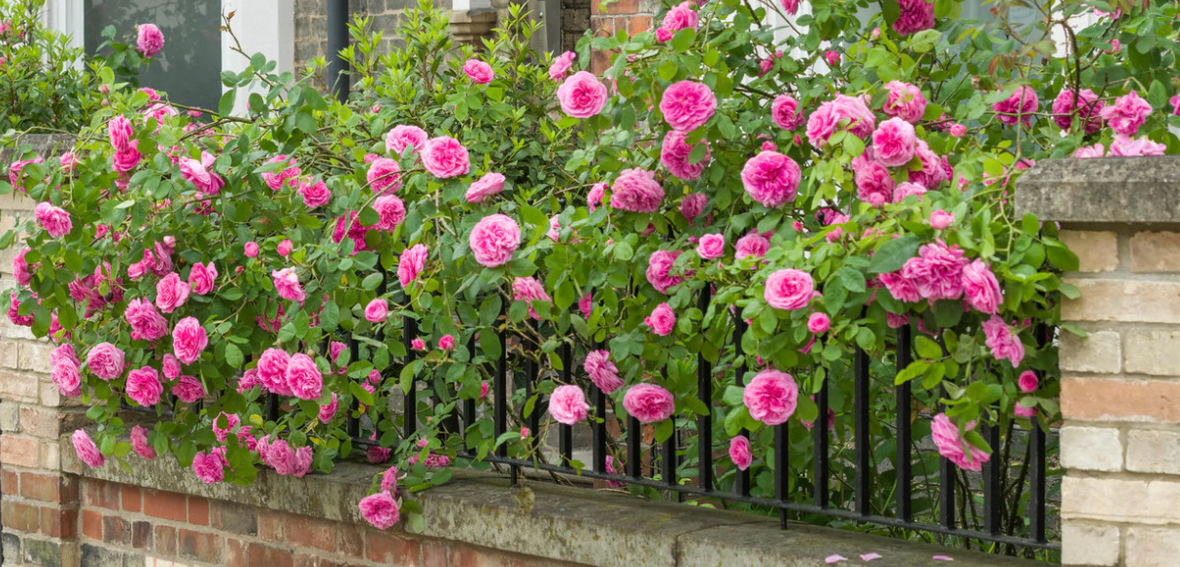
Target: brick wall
311, 36
607, 17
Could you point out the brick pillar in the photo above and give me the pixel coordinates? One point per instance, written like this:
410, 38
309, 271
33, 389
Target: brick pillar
608, 17
1120, 390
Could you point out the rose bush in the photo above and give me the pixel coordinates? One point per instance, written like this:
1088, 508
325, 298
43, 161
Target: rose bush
221, 261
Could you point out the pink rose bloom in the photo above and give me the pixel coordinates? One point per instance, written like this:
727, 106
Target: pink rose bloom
659, 270
446, 343
87, 451
377, 311
445, 157
602, 371
171, 293
418, 344
901, 287
64, 371
791, 6
823, 122
568, 405
478, 71
936, 272
529, 289
649, 403
687, 105
20, 268
126, 160
402, 137
582, 95
894, 142
55, 220
561, 65
693, 205
231, 421
941, 220
1003, 341
771, 397
958, 130
1023, 102
1127, 114
188, 389
272, 370
202, 278
286, 283
120, 133
284, 248
143, 386
383, 176
327, 412
594, 197
739, 452
874, 184
171, 366
251, 249
14, 313
819, 323
1175, 102
914, 16
907, 189
188, 340
636, 190
486, 186
832, 58
1028, 382
380, 510
711, 246
752, 244
412, 262
675, 152
1089, 108
771, 178
389, 481
285, 175
1125, 146
139, 442
392, 212
663, 35
1024, 411
981, 288
210, 467
905, 101
585, 305
662, 320
150, 40
349, 226
146, 323
681, 16
105, 361
785, 112
198, 172
494, 240
789, 289
949, 442
1095, 151
304, 378
314, 194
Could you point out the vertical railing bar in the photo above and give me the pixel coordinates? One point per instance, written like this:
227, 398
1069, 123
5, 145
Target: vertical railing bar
782, 477
1037, 454
946, 486
634, 447
862, 448
991, 482
822, 439
410, 404
532, 371
598, 427
668, 454
742, 484
500, 394
705, 395
904, 464
566, 432
469, 404
353, 422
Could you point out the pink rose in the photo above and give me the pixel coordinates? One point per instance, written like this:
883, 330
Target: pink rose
202, 278
188, 389
1095, 151
675, 155
272, 370
1024, 411
146, 323
1028, 381
687, 105
418, 344
392, 212
567, 404
958, 130
1088, 108
188, 340
1003, 342
582, 95
126, 160
832, 58
282, 175
771, 397
711, 246
314, 194
659, 268
139, 442
649, 403
941, 220
402, 137
383, 176
488, 185
739, 452
586, 305
446, 343
907, 189
791, 7
171, 367
478, 71
105, 361
119, 131
914, 16
1127, 114
693, 205
285, 247
65, 374
874, 184
981, 288
445, 157
150, 40
529, 289
662, 320
380, 510
819, 323
1018, 107
822, 123
55, 220
389, 481
210, 467
87, 451
905, 101
171, 293
1175, 102
663, 35
327, 412
789, 289
412, 262
1125, 146
594, 197
199, 173
771, 178
494, 240
287, 284
894, 142
251, 249
20, 268
636, 190
602, 371
143, 386
936, 272
304, 378
785, 112
561, 65
949, 442
752, 244
681, 16
377, 311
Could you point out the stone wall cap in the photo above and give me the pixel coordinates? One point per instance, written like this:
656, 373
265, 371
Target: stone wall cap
1103, 192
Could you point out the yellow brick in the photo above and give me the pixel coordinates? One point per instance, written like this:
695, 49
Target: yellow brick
1098, 251
1140, 501
1155, 252
1100, 352
1124, 300
1153, 352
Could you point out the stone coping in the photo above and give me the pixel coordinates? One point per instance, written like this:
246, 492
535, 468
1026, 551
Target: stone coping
577, 525
1103, 192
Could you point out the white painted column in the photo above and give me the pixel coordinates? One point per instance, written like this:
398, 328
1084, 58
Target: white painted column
262, 26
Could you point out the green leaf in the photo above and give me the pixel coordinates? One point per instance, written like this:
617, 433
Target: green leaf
734, 396
368, 217
372, 280
892, 255
851, 279
226, 106
233, 355
914, 370
489, 344
927, 348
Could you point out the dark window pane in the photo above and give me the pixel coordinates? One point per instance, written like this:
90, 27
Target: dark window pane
189, 67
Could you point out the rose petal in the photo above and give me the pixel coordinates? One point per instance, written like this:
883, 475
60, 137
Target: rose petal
835, 559
943, 558
870, 556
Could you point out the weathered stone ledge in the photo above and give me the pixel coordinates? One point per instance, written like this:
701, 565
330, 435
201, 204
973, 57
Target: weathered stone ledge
1101, 192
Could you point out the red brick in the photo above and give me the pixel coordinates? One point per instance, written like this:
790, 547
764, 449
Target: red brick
19, 451
92, 524
40, 422
9, 481
43, 487
350, 541
116, 530
304, 531
100, 494
167, 505
434, 555
237, 552
164, 540
463, 556
304, 560
390, 549
141, 535
619, 7
270, 525
20, 517
265, 556
198, 511
638, 24
59, 523
132, 498
201, 546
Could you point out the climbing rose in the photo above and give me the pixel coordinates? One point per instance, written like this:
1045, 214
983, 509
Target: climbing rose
529, 289
791, 6
1022, 410
380, 510
402, 137
687, 105
251, 249
105, 361
231, 421
659, 269
86, 449
198, 172
304, 378
594, 197
561, 65
874, 184
201, 278
478, 71
447, 343
494, 240
582, 95
675, 155
1003, 342
139, 442
377, 311
894, 142
272, 370
819, 323
857, 118
711, 246
1175, 102
907, 189
1028, 381
945, 435
567, 404
143, 386
171, 367
327, 412
1023, 102
1125, 146
692, 205
771, 178
905, 101
119, 132
210, 467
785, 112
383, 176
391, 211
981, 288
146, 323
314, 194
662, 320
602, 371
188, 389
914, 16
771, 397
681, 16
936, 272
649, 403
1127, 114
55, 220
445, 157
64, 371
739, 452
1089, 108
941, 220
188, 340
789, 289
287, 284
150, 40
412, 262
486, 186
276, 179
285, 247
752, 244
20, 268
636, 190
